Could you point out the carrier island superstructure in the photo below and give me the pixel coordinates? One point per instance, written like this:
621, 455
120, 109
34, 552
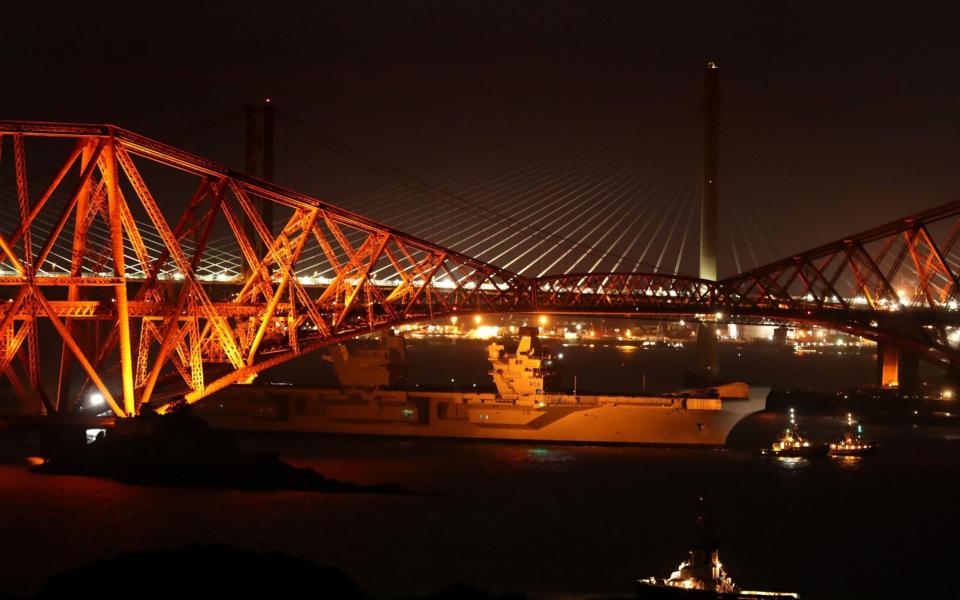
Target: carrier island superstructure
370, 401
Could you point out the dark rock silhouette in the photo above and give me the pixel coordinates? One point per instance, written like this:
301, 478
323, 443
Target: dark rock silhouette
181, 449
203, 571
459, 591
220, 571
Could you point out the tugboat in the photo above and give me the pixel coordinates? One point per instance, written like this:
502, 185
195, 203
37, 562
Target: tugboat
853, 442
701, 575
793, 444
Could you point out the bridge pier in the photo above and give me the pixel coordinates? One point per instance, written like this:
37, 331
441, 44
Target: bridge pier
708, 360
780, 336
897, 368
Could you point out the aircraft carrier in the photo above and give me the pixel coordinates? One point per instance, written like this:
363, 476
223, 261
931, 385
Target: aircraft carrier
369, 403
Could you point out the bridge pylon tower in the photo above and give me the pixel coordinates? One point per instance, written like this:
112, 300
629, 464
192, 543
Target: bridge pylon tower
708, 362
258, 162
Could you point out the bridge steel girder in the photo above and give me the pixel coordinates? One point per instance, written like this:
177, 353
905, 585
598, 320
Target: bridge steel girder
167, 323
164, 319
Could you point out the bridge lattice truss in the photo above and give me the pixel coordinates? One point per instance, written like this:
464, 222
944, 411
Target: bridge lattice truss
128, 289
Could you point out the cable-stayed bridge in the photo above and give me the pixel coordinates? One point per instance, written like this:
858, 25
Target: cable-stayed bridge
151, 269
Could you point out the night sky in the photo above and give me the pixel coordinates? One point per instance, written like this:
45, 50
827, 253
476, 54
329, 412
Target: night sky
835, 117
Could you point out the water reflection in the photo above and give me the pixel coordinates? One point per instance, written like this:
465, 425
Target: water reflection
519, 456
848, 462
539, 452
793, 463
549, 455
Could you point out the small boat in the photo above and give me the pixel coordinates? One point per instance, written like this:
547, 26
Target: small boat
853, 442
793, 444
701, 575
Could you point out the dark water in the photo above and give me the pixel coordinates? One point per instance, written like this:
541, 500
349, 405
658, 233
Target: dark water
611, 366
550, 520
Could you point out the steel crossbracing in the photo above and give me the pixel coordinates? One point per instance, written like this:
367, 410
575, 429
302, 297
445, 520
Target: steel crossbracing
165, 321
897, 283
133, 317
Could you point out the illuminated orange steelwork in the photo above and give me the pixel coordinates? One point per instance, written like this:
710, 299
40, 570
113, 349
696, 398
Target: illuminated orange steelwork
847, 285
169, 330
164, 320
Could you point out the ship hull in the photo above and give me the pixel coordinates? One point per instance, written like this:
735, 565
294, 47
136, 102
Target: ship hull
554, 419
808, 452
858, 452
648, 591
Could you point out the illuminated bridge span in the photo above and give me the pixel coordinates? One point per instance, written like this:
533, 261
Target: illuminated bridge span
96, 245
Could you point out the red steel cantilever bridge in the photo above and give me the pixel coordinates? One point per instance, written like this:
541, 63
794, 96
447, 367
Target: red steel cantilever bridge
132, 317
